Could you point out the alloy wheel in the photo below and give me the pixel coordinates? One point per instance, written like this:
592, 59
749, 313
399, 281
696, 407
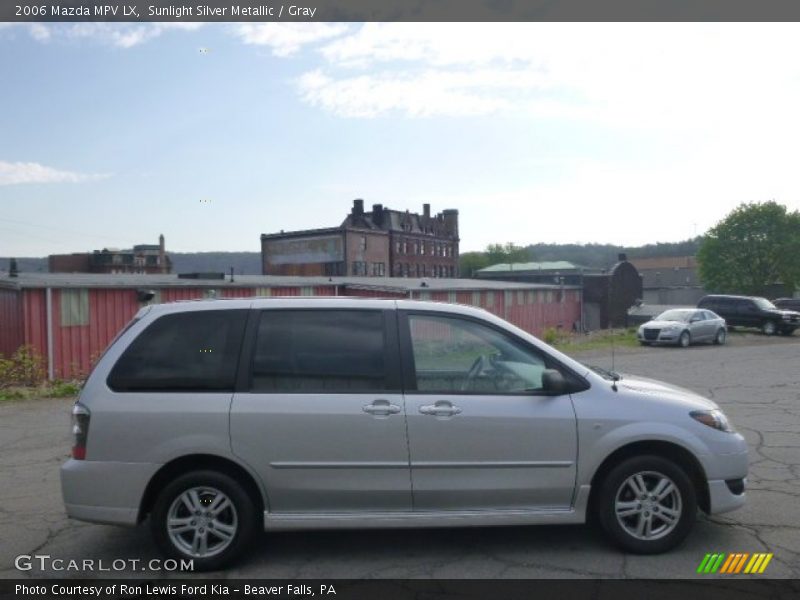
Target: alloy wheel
648, 505
202, 522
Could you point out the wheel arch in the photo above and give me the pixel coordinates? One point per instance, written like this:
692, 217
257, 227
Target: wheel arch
196, 462
668, 450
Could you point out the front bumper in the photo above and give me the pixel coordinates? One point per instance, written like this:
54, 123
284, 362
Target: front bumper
664, 337
722, 496
105, 492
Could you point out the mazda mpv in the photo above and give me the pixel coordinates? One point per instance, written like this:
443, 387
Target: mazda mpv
215, 419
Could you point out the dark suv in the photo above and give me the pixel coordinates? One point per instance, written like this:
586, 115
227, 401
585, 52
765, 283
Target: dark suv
787, 303
748, 311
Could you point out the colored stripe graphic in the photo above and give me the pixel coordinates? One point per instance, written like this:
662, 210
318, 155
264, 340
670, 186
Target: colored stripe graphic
727, 564
715, 565
764, 564
735, 563
740, 564
703, 563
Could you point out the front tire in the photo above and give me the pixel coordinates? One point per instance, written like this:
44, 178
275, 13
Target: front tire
685, 340
720, 338
769, 328
204, 516
647, 505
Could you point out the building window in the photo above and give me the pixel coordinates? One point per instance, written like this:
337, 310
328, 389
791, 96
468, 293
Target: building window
359, 267
405, 247
378, 269
334, 268
422, 248
418, 270
74, 307
362, 243
416, 247
397, 247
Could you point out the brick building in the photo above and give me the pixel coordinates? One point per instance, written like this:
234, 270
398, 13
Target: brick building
141, 259
379, 243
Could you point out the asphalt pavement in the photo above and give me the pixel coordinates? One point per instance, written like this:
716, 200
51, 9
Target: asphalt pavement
757, 384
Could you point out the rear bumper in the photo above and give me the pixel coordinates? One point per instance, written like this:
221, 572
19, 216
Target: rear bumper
90, 495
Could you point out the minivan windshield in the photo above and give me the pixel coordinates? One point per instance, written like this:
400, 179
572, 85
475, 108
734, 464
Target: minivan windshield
763, 303
675, 315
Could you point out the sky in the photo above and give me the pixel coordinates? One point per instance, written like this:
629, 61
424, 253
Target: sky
111, 134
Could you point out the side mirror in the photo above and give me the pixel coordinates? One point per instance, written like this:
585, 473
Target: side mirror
553, 381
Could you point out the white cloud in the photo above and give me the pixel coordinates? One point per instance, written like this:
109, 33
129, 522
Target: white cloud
635, 75
30, 172
126, 35
286, 39
121, 35
39, 32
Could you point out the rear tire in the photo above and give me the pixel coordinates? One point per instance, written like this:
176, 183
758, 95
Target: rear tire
769, 328
720, 338
646, 505
212, 519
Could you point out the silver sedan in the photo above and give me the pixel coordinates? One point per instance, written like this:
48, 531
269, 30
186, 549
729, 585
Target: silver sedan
682, 327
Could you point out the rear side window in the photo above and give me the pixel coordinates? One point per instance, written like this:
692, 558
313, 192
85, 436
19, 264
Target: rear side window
183, 352
320, 351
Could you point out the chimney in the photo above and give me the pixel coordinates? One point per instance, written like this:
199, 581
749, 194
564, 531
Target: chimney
13, 271
358, 207
426, 211
162, 261
377, 214
622, 257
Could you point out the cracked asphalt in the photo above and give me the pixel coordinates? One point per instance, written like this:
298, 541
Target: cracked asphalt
757, 384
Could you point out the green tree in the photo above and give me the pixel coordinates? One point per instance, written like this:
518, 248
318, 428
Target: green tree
469, 262
756, 245
506, 253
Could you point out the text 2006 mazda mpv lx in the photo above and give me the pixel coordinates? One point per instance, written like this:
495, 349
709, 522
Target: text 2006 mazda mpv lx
216, 418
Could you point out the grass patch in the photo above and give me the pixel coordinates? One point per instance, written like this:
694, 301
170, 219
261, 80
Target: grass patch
52, 389
596, 340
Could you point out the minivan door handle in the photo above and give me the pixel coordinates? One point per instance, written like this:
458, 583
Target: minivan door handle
440, 409
381, 408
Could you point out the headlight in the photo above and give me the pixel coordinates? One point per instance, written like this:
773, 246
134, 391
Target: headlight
713, 418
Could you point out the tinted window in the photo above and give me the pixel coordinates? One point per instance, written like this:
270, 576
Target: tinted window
190, 351
454, 355
331, 351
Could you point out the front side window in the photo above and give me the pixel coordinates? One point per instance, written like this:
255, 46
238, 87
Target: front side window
325, 351
453, 355
183, 352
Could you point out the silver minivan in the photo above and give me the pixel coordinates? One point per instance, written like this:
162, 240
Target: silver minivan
215, 419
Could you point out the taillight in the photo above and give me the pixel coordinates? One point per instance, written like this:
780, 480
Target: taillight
80, 430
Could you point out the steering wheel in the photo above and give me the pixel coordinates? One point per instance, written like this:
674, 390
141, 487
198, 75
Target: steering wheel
475, 370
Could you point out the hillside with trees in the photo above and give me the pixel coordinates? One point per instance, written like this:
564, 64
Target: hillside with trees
601, 256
